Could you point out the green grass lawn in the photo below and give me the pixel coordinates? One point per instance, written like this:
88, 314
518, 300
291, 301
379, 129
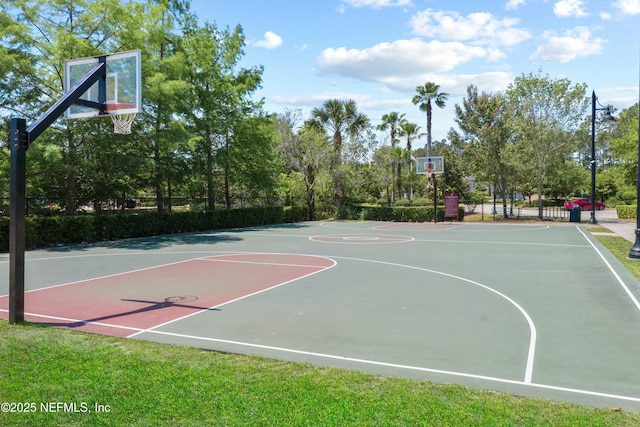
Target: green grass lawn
147, 384
57, 377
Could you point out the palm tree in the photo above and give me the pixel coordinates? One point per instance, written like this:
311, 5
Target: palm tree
410, 131
339, 117
393, 121
426, 93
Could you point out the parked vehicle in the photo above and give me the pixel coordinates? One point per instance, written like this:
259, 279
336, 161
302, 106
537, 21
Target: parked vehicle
584, 203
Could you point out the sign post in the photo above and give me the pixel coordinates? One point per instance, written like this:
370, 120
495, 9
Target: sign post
451, 202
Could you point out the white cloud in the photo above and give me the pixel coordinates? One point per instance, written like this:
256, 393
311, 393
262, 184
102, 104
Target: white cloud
568, 8
573, 44
628, 7
271, 41
400, 58
514, 4
317, 98
455, 84
480, 27
377, 4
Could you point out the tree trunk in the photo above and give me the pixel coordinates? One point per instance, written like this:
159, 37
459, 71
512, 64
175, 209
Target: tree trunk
337, 173
310, 179
540, 213
210, 179
399, 178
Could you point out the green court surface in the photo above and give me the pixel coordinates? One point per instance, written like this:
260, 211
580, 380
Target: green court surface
530, 309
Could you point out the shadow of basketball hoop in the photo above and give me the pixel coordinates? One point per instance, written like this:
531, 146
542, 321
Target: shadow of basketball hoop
180, 301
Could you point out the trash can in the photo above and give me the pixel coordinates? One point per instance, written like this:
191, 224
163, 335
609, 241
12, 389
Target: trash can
574, 213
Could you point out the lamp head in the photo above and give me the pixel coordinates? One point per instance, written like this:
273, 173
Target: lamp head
607, 117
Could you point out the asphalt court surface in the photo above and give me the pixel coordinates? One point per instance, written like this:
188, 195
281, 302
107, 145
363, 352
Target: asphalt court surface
530, 309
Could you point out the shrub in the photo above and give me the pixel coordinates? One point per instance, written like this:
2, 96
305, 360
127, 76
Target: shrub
626, 211
405, 213
65, 230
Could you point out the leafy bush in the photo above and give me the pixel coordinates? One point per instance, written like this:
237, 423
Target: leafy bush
405, 213
66, 230
626, 211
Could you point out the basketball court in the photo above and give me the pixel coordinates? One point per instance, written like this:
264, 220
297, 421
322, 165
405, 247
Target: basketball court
533, 310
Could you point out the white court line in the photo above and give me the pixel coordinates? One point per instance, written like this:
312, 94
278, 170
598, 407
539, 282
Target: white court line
615, 274
110, 275
401, 366
212, 259
456, 229
84, 322
486, 242
532, 327
532, 337
239, 298
356, 239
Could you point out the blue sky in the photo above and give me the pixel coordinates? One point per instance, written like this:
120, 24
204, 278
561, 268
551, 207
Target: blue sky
377, 51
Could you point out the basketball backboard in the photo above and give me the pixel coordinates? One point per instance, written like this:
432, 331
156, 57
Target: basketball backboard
123, 84
426, 165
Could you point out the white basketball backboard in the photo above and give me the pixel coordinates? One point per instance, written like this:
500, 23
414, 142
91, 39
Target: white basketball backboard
123, 84
428, 165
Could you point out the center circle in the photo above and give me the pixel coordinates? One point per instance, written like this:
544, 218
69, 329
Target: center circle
360, 238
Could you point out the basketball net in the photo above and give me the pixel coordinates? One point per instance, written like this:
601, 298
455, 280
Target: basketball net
429, 174
122, 123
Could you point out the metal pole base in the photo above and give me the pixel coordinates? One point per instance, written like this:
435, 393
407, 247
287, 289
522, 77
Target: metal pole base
634, 252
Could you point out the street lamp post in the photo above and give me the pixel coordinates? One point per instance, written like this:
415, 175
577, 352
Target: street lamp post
634, 252
607, 118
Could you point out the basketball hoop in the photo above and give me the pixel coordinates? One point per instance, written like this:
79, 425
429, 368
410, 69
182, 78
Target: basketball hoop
121, 122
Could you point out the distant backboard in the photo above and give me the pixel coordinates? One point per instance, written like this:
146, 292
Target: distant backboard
123, 84
432, 164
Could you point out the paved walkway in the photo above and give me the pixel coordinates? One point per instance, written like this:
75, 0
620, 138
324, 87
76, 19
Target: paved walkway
622, 228
607, 218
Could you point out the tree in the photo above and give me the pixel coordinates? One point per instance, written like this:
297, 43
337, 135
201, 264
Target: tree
383, 178
339, 118
37, 37
164, 89
485, 122
547, 115
306, 151
410, 131
625, 144
218, 98
393, 121
426, 93
197, 117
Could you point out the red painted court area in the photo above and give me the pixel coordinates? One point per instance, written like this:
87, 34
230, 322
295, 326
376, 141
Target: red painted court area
127, 303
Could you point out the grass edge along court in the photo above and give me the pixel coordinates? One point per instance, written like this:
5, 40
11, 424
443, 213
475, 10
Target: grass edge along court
53, 376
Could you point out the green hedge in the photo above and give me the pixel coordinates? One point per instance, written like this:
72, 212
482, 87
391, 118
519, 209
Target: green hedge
405, 213
67, 230
626, 211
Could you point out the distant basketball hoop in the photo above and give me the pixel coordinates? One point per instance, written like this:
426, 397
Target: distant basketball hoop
121, 122
429, 166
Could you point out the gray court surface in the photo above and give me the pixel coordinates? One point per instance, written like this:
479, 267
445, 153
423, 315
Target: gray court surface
529, 309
